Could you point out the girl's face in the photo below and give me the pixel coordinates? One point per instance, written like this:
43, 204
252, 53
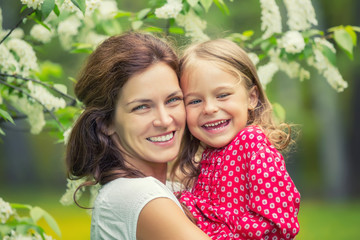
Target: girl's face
216, 103
149, 119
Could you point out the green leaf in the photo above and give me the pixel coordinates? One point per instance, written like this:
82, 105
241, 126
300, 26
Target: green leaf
192, 2
37, 213
153, 29
4, 114
356, 28
57, 10
23, 8
329, 54
222, 6
80, 4
344, 40
2, 133
61, 87
122, 14
47, 7
206, 4
111, 27
136, 25
176, 30
352, 33
20, 206
143, 13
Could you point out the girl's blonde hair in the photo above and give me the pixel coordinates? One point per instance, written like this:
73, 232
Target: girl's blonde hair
231, 58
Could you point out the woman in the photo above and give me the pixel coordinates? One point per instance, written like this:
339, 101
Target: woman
131, 127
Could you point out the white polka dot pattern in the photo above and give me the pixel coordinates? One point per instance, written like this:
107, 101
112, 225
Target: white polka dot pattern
244, 191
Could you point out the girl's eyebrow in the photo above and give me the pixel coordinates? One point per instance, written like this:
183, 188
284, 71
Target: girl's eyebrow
214, 90
145, 100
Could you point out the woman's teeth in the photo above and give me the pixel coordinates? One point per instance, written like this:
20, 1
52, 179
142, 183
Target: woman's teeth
163, 138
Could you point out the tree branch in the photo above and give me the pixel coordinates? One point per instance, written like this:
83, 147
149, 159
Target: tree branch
27, 94
18, 24
73, 100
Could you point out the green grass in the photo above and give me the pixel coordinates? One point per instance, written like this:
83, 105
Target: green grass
330, 221
318, 220
73, 221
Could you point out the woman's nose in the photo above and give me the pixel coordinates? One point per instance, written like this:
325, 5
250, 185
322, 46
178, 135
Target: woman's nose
163, 118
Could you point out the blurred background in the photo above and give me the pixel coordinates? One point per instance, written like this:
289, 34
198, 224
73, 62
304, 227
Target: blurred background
324, 165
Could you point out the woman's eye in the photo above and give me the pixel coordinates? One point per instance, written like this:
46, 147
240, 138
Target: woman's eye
140, 107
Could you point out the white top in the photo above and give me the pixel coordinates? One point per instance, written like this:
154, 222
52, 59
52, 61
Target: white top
119, 203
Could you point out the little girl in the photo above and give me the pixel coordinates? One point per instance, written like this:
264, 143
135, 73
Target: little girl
240, 189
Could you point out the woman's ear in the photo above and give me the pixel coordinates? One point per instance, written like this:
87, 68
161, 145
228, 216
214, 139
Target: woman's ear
253, 97
107, 130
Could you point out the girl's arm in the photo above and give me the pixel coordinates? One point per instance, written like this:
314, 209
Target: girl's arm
162, 219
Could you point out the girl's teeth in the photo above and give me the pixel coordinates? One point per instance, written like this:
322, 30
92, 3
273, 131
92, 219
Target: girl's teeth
215, 124
162, 138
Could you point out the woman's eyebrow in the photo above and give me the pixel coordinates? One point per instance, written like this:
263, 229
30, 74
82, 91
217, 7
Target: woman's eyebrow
145, 100
139, 100
175, 93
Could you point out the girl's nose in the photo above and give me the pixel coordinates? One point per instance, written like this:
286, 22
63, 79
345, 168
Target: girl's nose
210, 107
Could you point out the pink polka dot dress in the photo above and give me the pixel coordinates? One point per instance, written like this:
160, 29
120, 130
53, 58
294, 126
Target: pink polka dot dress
244, 191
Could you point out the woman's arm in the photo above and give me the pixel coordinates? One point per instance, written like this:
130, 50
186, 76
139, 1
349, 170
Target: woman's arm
162, 219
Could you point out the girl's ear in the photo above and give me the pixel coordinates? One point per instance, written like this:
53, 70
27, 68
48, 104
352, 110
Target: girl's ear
253, 97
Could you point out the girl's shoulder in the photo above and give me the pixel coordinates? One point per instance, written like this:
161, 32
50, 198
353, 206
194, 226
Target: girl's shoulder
252, 133
249, 138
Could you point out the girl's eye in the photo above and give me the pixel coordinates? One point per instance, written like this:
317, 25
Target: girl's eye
174, 99
140, 107
223, 95
195, 101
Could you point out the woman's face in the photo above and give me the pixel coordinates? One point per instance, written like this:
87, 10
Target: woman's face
149, 118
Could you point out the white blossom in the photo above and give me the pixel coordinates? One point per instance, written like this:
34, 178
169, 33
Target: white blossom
71, 186
292, 69
193, 26
5, 211
301, 14
322, 41
270, 18
325, 68
170, 10
17, 33
26, 56
91, 5
41, 33
69, 6
107, 9
35, 4
266, 73
94, 39
67, 29
254, 58
8, 62
66, 135
41, 94
32, 109
292, 42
